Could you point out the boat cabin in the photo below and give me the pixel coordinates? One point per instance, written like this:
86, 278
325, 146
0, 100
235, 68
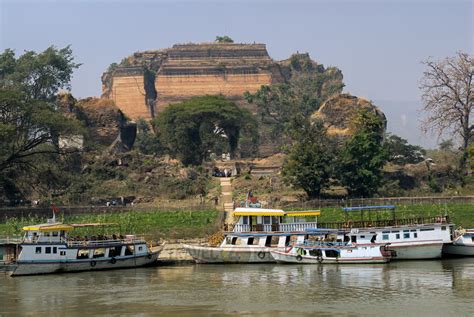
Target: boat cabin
273, 220
409, 233
50, 242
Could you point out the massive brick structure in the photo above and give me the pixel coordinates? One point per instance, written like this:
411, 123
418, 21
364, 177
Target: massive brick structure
146, 82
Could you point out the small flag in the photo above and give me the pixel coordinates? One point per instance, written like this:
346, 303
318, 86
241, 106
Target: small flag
54, 208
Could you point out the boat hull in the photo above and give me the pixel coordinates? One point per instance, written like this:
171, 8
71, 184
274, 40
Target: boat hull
458, 250
283, 257
202, 254
420, 251
44, 267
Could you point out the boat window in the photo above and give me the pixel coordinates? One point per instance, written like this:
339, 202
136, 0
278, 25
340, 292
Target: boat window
266, 220
82, 254
427, 229
362, 237
385, 237
62, 253
268, 241
46, 234
115, 251
385, 231
129, 250
397, 236
395, 231
316, 252
251, 241
55, 233
287, 240
406, 230
406, 235
47, 250
374, 237
99, 253
332, 253
415, 235
140, 248
443, 228
275, 240
472, 239
353, 239
413, 230
38, 250
235, 241
55, 250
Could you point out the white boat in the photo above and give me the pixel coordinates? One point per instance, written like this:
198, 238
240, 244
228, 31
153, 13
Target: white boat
46, 248
336, 253
257, 232
410, 242
412, 238
462, 245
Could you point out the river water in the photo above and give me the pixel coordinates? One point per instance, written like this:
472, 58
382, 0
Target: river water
435, 288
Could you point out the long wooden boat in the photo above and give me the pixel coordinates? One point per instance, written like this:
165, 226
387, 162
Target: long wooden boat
46, 248
255, 235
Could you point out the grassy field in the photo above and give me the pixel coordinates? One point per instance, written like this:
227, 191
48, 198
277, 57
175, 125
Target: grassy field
160, 224
196, 224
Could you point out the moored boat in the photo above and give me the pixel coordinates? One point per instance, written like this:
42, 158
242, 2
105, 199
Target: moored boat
46, 248
462, 245
336, 253
411, 238
257, 232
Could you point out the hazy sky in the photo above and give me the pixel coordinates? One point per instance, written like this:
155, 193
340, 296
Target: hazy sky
378, 45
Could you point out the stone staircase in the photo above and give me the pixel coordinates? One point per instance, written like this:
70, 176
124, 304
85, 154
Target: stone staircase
226, 198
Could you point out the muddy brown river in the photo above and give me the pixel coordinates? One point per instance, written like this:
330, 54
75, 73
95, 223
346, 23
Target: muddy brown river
410, 288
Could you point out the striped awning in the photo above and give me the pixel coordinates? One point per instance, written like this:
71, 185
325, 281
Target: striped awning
302, 213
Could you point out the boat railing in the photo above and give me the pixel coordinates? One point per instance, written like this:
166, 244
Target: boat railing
282, 227
10, 240
103, 243
384, 223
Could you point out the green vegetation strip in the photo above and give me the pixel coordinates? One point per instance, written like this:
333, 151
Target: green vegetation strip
159, 224
460, 214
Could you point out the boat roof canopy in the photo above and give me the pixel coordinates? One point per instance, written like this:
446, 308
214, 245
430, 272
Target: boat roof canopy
49, 227
347, 209
257, 212
247, 211
302, 213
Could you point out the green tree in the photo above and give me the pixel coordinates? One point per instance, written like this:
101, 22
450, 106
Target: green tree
148, 140
401, 152
190, 130
310, 162
30, 124
224, 39
363, 156
307, 85
39, 76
